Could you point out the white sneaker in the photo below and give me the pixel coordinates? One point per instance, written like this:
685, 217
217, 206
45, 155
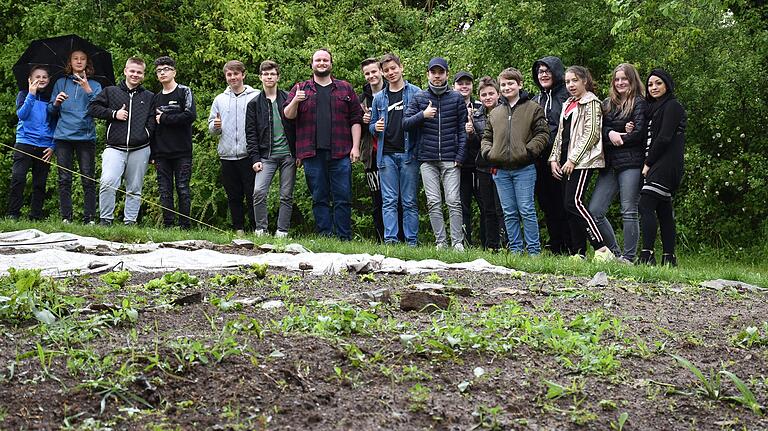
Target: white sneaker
441, 246
281, 234
240, 232
604, 256
260, 232
458, 247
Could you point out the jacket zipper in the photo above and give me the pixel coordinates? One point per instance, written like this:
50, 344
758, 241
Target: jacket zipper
271, 126
439, 130
130, 109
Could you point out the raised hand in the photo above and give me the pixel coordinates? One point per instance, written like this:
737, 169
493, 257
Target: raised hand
301, 95
60, 98
121, 114
366, 114
430, 111
217, 122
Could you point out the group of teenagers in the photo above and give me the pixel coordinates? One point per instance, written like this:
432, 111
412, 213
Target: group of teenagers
504, 150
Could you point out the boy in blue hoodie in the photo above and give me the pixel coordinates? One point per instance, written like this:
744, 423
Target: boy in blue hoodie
34, 142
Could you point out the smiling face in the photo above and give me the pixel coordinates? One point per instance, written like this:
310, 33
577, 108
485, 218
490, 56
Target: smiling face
656, 87
464, 86
372, 74
393, 72
41, 76
322, 63
437, 76
78, 60
621, 83
545, 77
489, 97
510, 88
134, 74
234, 79
575, 85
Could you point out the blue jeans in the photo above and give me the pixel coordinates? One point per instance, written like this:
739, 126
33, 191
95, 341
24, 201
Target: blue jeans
627, 183
330, 180
399, 178
516, 188
114, 165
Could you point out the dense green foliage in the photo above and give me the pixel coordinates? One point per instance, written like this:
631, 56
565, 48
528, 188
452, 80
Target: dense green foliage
714, 49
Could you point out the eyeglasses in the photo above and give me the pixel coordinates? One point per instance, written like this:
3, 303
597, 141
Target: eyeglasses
545, 73
164, 70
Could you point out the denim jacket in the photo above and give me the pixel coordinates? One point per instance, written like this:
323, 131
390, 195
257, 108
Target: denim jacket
379, 108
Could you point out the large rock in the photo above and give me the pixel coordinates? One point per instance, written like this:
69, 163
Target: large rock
441, 289
599, 280
243, 243
383, 295
415, 300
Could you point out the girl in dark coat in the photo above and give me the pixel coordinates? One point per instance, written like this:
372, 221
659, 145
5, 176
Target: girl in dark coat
663, 167
624, 136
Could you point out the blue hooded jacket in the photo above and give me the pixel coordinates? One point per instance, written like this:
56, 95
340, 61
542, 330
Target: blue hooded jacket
74, 122
35, 125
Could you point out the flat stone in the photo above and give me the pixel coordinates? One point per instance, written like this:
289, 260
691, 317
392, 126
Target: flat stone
600, 279
441, 289
243, 243
364, 267
96, 264
294, 248
267, 247
271, 305
508, 291
721, 284
380, 295
415, 300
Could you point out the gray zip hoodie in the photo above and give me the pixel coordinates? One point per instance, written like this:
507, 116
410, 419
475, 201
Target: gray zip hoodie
231, 107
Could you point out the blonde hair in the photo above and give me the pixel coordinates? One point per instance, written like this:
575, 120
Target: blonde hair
88, 63
636, 88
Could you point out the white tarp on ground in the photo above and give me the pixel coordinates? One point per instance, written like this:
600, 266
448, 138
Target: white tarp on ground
52, 253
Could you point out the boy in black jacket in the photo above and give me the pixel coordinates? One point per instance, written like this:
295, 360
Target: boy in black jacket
127, 107
174, 109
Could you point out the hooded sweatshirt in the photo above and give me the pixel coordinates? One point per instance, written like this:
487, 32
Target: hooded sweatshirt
232, 108
35, 125
552, 99
74, 121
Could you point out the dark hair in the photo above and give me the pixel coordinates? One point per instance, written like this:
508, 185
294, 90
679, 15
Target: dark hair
88, 63
583, 74
39, 67
165, 61
369, 61
269, 65
386, 58
234, 65
487, 81
511, 74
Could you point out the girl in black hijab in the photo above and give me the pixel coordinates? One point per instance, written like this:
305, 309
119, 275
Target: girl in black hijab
663, 167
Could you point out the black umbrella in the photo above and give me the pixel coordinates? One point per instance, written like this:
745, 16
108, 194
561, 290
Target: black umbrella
54, 54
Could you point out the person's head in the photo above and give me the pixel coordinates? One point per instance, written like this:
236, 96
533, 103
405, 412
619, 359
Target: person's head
234, 72
463, 82
371, 71
437, 72
510, 83
545, 76
322, 63
78, 63
488, 92
391, 67
660, 83
625, 86
578, 81
134, 72
40, 74
269, 73
165, 68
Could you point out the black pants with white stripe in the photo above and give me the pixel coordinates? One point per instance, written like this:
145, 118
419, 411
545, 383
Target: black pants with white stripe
579, 218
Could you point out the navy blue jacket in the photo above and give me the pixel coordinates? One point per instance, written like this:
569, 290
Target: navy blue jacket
442, 138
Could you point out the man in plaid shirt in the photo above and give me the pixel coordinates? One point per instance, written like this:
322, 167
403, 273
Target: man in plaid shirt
328, 120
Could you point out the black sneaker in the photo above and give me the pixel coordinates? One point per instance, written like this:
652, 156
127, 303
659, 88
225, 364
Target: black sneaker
105, 222
669, 259
646, 258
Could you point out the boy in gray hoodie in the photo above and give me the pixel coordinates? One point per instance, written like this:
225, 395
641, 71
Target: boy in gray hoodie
227, 120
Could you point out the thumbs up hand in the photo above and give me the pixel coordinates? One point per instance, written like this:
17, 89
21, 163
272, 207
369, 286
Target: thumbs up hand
366, 114
121, 114
217, 121
301, 95
430, 111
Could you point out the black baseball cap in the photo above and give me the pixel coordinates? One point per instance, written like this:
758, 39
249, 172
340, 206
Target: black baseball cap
438, 62
463, 74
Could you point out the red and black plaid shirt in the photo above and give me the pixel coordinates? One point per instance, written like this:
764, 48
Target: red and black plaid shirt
345, 111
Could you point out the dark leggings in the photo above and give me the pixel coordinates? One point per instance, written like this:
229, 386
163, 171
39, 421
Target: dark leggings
579, 218
651, 207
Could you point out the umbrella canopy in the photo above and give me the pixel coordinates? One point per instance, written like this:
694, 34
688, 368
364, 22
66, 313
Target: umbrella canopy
54, 54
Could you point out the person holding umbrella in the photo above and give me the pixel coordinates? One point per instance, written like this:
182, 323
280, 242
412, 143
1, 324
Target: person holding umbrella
34, 145
75, 133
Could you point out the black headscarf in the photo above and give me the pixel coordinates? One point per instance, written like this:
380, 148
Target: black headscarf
655, 104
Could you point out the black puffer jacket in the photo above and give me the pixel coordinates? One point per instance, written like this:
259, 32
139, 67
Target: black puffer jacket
443, 138
632, 153
134, 133
258, 126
